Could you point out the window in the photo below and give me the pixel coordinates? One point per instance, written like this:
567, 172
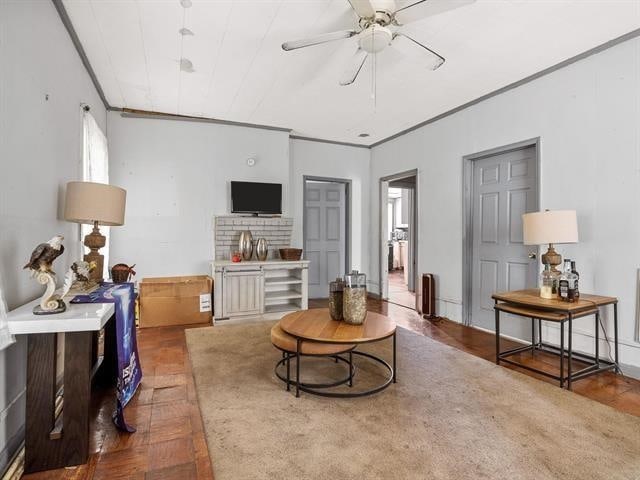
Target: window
6, 338
95, 168
391, 217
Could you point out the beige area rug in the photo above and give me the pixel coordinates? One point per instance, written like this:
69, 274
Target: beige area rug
450, 416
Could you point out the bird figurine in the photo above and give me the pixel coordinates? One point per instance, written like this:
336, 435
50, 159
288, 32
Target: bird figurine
82, 270
44, 254
40, 264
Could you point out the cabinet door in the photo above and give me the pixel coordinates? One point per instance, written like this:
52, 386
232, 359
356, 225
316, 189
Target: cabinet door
243, 292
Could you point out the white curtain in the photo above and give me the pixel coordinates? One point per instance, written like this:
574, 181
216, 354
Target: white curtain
6, 338
95, 168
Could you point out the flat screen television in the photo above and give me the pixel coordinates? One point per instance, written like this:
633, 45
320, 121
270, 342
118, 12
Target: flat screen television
256, 198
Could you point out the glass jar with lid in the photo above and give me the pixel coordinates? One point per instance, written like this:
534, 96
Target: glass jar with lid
336, 290
355, 298
547, 283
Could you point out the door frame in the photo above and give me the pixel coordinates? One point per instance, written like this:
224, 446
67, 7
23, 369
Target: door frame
467, 212
347, 216
382, 207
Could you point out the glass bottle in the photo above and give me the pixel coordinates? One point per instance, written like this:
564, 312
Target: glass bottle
555, 275
567, 283
575, 272
547, 282
354, 309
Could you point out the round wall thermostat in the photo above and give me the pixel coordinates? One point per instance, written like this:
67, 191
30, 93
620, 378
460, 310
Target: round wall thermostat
251, 161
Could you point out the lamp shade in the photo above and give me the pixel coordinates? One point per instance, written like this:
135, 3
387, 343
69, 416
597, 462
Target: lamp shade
551, 226
88, 202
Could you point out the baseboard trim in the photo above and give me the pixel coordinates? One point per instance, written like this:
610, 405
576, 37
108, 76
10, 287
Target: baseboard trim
15, 468
628, 370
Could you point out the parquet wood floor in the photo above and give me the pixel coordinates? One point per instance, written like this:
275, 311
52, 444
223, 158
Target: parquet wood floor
170, 442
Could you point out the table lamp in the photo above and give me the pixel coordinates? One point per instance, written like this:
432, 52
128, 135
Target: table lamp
550, 227
95, 204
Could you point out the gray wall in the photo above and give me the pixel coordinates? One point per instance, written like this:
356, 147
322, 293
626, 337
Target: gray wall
40, 150
177, 176
587, 116
335, 161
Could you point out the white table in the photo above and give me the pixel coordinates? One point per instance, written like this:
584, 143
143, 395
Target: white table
80, 317
59, 441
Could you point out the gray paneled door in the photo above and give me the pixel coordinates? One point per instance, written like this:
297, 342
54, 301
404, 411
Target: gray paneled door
325, 241
504, 187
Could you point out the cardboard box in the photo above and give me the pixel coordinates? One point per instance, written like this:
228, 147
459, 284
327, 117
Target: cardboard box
175, 301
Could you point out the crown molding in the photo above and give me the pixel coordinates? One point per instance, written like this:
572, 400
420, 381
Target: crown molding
511, 86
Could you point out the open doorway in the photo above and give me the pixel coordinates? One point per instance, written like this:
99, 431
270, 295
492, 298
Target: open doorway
325, 231
399, 239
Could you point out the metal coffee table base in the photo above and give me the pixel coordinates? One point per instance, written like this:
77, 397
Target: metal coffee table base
318, 389
286, 360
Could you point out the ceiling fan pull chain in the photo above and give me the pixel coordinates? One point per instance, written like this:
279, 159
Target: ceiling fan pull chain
374, 81
373, 68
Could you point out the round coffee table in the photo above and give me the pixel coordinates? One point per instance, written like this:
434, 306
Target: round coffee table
316, 325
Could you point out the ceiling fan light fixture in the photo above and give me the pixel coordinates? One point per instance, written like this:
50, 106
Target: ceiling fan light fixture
186, 32
374, 38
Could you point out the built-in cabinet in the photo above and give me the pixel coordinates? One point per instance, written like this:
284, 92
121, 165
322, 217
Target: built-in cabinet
242, 291
270, 288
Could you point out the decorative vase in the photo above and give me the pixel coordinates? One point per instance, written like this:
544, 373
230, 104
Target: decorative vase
262, 249
121, 273
336, 290
246, 245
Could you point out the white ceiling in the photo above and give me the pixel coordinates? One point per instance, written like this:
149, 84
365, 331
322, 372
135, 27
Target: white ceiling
241, 73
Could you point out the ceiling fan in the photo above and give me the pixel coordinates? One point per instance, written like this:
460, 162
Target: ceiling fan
377, 28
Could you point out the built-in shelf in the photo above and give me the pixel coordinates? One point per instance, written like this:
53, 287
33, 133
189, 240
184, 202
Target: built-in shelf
282, 307
282, 281
281, 295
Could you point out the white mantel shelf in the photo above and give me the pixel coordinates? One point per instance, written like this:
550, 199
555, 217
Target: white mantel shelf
79, 317
257, 263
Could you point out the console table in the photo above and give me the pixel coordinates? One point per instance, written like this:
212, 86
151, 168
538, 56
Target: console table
529, 304
57, 433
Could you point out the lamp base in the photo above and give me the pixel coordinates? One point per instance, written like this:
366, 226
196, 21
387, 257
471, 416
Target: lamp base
553, 258
94, 242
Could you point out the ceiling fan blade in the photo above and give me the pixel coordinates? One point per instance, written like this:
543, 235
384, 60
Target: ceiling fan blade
438, 59
318, 39
351, 72
425, 8
363, 8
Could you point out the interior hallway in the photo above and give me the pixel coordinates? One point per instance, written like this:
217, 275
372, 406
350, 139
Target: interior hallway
398, 292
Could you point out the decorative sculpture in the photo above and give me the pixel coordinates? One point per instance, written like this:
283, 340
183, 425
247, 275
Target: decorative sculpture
77, 281
40, 264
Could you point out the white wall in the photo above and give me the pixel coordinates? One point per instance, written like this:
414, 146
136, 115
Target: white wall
587, 116
177, 176
334, 161
40, 146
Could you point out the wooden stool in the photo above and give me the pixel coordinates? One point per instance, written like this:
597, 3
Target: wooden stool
289, 344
